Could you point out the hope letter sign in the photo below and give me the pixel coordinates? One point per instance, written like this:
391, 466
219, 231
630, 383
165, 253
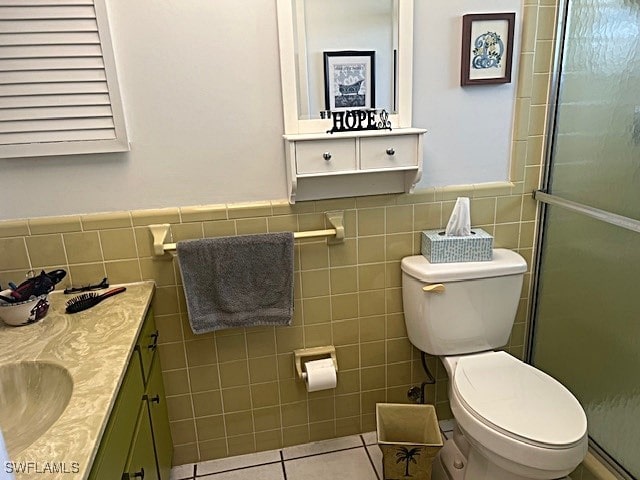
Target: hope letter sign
354, 120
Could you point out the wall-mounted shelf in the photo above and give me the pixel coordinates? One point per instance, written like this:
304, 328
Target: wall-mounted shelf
350, 163
353, 163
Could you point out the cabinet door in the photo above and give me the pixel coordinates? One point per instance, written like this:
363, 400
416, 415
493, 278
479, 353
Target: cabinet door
147, 343
389, 151
142, 458
160, 419
114, 448
325, 156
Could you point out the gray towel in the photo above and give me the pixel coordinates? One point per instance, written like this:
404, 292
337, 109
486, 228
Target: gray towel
243, 281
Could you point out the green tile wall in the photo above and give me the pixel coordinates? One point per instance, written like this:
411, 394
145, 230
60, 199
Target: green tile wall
234, 391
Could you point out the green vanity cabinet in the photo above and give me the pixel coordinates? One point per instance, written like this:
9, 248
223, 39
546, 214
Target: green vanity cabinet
137, 438
147, 346
159, 419
141, 463
112, 455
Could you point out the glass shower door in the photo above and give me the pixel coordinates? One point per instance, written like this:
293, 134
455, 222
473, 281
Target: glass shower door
587, 316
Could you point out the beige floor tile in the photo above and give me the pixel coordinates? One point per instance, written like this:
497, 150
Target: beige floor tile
353, 464
323, 446
263, 472
370, 438
376, 457
240, 461
182, 472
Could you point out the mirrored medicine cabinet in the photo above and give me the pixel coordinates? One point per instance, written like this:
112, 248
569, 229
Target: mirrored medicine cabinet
313, 33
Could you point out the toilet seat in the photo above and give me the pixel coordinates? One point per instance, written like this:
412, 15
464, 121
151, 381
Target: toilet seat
519, 400
484, 394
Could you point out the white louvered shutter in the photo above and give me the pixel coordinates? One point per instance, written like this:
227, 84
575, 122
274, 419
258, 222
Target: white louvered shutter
58, 87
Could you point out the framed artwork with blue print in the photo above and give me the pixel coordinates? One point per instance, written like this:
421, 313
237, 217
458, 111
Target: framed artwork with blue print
487, 48
349, 80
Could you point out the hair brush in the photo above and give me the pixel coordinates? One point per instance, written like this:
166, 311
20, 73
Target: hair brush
88, 300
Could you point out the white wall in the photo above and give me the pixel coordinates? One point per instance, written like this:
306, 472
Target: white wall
469, 129
201, 86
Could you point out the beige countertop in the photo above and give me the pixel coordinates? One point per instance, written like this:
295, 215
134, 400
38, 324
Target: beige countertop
94, 346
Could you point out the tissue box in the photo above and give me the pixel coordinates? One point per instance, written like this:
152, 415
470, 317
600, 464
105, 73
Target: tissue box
439, 248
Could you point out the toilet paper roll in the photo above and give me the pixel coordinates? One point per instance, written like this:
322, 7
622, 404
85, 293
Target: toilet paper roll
320, 375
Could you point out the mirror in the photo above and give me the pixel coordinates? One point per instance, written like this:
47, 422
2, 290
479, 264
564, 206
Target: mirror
308, 29
327, 31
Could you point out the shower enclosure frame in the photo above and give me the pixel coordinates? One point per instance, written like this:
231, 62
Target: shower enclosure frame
545, 199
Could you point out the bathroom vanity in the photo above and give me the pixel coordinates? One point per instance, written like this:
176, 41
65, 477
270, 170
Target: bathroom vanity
137, 440
320, 164
115, 421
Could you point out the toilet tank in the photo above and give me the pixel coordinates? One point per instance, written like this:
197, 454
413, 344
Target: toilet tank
471, 306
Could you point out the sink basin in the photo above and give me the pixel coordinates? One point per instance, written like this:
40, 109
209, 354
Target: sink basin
33, 395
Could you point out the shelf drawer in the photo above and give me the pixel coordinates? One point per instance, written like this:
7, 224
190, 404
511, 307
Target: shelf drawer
340, 153
389, 151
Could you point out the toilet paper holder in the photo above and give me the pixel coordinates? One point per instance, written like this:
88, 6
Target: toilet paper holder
303, 355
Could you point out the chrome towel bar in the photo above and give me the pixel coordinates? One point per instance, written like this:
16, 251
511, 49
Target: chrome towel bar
335, 235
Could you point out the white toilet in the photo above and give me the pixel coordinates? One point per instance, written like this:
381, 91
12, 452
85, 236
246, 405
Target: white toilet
514, 422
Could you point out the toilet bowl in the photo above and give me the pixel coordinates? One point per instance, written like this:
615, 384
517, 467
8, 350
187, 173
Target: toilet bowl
522, 421
514, 422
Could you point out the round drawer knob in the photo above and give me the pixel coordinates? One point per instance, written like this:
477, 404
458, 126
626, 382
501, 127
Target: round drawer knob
326, 156
391, 151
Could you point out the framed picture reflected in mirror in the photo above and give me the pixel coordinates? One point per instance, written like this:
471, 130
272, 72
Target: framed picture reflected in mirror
349, 80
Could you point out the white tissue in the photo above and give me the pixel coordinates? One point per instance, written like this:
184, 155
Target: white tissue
459, 224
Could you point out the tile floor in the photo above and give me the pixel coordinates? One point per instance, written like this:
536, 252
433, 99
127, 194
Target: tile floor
356, 457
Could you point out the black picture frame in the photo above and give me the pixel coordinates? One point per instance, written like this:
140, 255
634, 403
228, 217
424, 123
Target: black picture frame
487, 48
349, 80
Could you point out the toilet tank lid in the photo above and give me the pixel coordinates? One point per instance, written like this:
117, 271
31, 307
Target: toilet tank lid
504, 262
